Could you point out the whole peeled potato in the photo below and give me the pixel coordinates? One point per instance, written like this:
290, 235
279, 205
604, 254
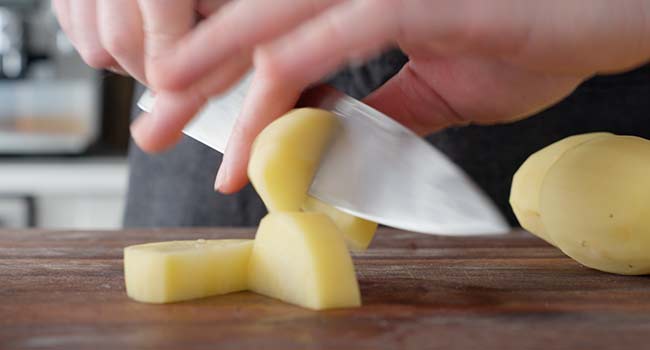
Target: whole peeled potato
527, 182
595, 204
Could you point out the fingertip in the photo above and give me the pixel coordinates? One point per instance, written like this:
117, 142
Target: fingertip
147, 136
267, 66
153, 145
163, 127
139, 132
229, 183
231, 187
218, 182
233, 172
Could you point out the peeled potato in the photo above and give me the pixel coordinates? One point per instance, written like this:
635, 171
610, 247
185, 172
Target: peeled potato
358, 233
301, 258
595, 206
527, 182
298, 257
283, 163
172, 271
286, 155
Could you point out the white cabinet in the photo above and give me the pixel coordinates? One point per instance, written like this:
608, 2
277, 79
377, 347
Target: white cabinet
79, 212
15, 212
74, 193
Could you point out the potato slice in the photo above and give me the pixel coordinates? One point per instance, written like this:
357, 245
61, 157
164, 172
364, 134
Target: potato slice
594, 204
286, 155
172, 271
301, 258
358, 233
527, 182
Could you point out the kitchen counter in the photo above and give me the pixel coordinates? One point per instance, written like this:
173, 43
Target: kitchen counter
65, 290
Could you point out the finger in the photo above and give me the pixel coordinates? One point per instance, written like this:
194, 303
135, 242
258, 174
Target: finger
156, 131
164, 23
117, 69
350, 32
408, 98
83, 21
207, 7
163, 127
237, 28
62, 11
267, 99
120, 31
272, 94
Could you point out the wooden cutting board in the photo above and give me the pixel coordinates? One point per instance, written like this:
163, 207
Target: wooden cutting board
65, 290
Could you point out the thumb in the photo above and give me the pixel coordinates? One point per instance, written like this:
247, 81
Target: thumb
410, 100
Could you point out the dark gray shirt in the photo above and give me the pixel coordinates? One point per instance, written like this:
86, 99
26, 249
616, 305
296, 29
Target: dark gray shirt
176, 188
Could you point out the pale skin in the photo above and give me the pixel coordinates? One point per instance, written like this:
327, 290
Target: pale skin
471, 61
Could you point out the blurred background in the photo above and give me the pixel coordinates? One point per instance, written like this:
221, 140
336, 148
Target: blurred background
63, 127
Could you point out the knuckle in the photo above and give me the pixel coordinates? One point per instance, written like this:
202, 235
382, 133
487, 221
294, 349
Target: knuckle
96, 57
207, 7
332, 26
479, 22
267, 68
388, 5
163, 35
119, 43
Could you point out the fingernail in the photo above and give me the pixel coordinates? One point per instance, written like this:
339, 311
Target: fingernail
138, 128
221, 178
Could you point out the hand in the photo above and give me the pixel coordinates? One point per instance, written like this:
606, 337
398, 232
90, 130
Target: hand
121, 35
471, 61
124, 36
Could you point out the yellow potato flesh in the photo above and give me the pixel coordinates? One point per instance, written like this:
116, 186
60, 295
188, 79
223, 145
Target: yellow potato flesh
358, 233
527, 182
283, 162
181, 270
301, 258
298, 257
286, 155
594, 204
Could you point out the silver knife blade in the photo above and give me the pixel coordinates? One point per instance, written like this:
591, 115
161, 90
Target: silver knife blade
375, 168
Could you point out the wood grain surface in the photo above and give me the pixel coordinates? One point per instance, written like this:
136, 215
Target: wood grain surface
65, 290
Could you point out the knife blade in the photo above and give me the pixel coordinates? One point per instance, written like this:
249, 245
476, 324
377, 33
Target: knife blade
375, 168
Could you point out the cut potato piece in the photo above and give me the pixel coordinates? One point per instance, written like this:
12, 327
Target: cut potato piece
358, 233
594, 204
301, 258
181, 270
286, 155
527, 182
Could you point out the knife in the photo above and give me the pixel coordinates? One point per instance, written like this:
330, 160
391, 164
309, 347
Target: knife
375, 168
